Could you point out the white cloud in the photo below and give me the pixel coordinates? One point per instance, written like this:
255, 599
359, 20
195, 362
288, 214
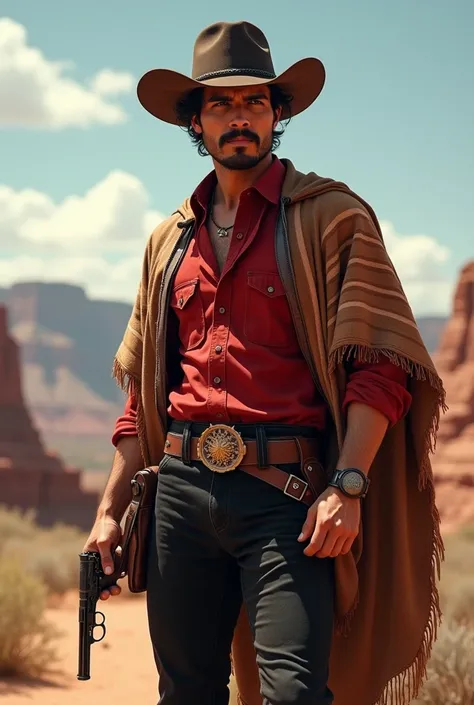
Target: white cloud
108, 82
421, 263
37, 92
97, 240
114, 216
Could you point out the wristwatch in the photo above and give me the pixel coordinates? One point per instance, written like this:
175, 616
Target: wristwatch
351, 481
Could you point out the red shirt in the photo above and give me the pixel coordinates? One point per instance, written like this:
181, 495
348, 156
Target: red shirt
240, 357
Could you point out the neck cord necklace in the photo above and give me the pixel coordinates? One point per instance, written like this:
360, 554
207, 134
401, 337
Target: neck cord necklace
221, 230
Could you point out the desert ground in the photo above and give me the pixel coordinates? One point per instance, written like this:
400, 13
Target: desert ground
122, 666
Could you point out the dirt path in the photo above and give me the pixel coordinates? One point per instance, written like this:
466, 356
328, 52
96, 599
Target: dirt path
122, 666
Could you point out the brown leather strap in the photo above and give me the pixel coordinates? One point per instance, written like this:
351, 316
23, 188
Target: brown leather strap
289, 484
280, 451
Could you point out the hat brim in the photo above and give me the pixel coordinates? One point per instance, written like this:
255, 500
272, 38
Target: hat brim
160, 90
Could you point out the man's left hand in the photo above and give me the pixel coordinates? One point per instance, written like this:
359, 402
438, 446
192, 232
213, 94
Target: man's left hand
332, 524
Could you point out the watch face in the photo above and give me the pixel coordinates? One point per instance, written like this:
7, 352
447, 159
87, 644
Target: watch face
353, 483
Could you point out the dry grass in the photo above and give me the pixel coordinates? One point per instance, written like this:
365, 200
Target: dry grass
27, 641
451, 668
49, 554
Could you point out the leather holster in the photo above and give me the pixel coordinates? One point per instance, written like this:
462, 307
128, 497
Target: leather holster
133, 560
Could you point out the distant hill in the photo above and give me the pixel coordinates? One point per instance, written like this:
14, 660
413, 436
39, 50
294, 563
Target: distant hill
57, 326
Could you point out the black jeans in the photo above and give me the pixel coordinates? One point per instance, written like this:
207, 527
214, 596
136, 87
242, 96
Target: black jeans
218, 539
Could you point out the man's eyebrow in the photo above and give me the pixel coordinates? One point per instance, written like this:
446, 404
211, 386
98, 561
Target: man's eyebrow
217, 97
257, 96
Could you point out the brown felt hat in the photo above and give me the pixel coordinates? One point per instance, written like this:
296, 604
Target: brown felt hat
230, 55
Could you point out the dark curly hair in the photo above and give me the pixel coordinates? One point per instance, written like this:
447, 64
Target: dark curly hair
191, 105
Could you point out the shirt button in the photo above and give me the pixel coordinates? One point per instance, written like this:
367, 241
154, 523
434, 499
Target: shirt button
181, 301
217, 380
218, 348
222, 309
270, 289
239, 236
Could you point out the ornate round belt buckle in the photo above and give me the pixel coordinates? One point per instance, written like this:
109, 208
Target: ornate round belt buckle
221, 448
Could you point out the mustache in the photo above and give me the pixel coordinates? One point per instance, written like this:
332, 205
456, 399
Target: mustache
233, 134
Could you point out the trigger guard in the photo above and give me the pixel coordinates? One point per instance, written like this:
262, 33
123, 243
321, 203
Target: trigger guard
101, 625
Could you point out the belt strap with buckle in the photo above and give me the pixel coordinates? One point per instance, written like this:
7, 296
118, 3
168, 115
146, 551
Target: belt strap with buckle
279, 451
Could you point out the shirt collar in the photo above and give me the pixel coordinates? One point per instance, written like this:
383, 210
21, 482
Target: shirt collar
268, 185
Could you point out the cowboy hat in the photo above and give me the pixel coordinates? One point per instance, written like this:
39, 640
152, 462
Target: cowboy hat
230, 55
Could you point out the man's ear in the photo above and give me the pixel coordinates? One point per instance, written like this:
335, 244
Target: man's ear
196, 125
277, 116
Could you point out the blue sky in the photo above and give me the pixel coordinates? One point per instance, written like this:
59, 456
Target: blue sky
395, 121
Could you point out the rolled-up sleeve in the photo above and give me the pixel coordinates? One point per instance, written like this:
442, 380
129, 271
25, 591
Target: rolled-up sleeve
381, 385
126, 425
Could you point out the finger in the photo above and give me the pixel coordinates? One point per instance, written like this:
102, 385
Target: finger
308, 526
347, 545
106, 556
317, 539
337, 548
104, 595
329, 543
115, 590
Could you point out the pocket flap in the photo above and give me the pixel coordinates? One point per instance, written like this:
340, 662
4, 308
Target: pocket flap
268, 283
183, 293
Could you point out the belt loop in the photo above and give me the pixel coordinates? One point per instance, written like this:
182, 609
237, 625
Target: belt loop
262, 449
186, 444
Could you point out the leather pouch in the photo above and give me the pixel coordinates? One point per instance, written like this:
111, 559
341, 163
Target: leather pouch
137, 529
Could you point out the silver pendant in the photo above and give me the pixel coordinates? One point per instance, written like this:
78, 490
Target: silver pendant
222, 232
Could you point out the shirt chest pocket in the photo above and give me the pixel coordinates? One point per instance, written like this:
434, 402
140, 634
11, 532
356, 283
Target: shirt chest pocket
267, 314
187, 304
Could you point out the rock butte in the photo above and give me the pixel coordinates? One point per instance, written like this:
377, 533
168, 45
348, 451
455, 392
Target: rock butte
453, 462
30, 476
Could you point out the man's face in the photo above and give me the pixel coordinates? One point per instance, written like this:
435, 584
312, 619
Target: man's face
237, 125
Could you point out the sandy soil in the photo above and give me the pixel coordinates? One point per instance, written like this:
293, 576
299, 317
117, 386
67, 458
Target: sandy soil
122, 666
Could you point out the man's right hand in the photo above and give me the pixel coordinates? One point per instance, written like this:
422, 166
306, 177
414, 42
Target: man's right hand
105, 536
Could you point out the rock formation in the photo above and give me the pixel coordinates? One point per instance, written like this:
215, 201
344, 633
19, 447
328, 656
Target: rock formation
30, 477
453, 462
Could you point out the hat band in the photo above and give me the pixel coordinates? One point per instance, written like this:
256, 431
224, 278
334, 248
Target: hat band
258, 73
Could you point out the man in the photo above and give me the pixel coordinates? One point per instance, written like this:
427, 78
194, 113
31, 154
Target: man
272, 363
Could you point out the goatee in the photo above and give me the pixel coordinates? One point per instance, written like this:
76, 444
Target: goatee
240, 161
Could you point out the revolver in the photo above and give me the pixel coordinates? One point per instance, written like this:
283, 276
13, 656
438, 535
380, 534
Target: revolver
92, 581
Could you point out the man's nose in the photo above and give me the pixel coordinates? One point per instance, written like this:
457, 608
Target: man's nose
239, 121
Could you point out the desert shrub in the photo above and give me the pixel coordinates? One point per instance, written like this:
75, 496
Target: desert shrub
27, 640
459, 601
49, 554
450, 669
52, 554
17, 524
457, 577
